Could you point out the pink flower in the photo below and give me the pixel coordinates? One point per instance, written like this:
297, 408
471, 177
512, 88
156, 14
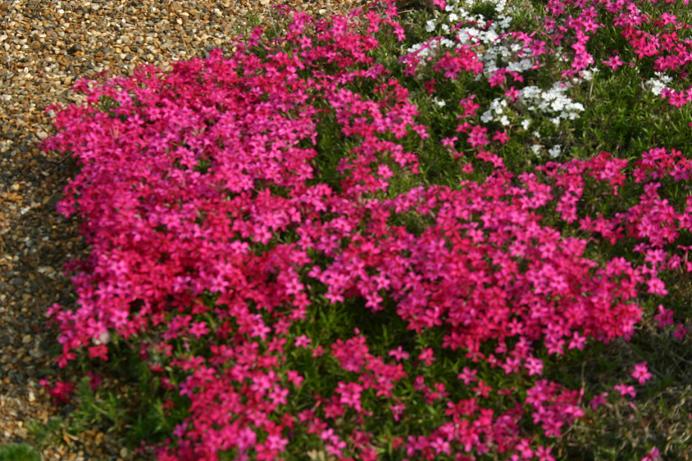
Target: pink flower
478, 136
427, 356
501, 136
512, 94
349, 394
399, 353
664, 317
598, 400
469, 105
295, 378
302, 341
467, 375
614, 62
680, 332
640, 372
534, 366
544, 454
198, 329
397, 410
60, 392
653, 455
625, 390
482, 389
577, 341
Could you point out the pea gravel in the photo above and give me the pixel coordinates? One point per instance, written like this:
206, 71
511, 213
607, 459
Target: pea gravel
44, 47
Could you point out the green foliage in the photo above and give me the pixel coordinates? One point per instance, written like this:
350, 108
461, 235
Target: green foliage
18, 452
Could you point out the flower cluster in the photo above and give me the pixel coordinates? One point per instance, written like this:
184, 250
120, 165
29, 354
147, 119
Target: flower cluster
656, 37
222, 223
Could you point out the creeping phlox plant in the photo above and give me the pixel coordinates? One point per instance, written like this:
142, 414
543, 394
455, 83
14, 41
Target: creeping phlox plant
312, 265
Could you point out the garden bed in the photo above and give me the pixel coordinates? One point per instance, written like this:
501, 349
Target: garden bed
457, 232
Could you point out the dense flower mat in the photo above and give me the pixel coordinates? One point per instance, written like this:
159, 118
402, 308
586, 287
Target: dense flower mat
348, 240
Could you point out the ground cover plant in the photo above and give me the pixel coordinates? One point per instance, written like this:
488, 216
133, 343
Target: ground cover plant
460, 232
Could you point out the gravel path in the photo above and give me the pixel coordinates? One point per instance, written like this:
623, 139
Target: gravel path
44, 47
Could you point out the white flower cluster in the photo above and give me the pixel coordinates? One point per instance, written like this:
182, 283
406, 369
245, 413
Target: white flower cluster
498, 49
553, 152
552, 102
496, 112
439, 102
494, 48
428, 49
658, 84
586, 75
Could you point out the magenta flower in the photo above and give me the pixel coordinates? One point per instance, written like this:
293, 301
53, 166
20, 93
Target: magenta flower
625, 390
640, 372
614, 62
478, 136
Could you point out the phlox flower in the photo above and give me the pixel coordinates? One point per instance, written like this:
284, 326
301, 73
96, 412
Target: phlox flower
501, 136
614, 62
276, 442
625, 390
663, 317
524, 450
577, 341
467, 375
653, 455
598, 400
469, 105
544, 454
318, 351
441, 4
512, 94
198, 329
295, 378
680, 332
100, 351
640, 372
482, 389
399, 353
60, 392
302, 341
656, 286
534, 366
427, 356
397, 410
349, 394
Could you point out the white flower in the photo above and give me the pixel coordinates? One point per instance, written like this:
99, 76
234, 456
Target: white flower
525, 123
657, 85
557, 105
490, 36
103, 338
555, 151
